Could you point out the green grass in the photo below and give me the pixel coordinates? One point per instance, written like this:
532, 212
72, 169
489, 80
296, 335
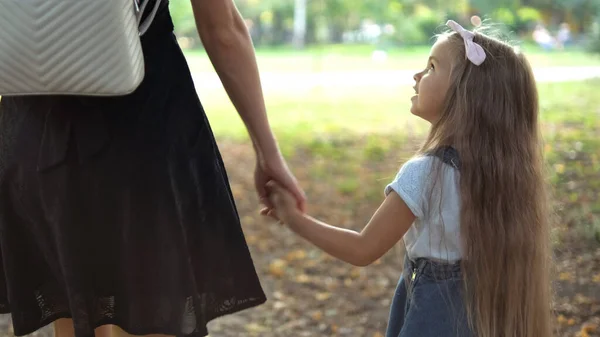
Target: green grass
319, 112
307, 113
358, 58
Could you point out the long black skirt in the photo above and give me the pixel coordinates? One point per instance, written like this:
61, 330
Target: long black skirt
118, 210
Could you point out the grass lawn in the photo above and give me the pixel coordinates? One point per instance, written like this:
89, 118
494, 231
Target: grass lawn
358, 58
368, 110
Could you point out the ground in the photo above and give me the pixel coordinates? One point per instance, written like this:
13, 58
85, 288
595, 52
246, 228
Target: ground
344, 144
314, 295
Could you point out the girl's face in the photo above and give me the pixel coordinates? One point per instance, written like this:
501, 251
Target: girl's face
432, 83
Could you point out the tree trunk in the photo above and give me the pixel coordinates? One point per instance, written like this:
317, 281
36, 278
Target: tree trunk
299, 23
278, 28
257, 31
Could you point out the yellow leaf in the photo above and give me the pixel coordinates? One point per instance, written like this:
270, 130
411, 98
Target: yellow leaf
378, 334
561, 319
296, 255
573, 197
302, 278
279, 305
596, 278
580, 299
322, 296
237, 190
263, 245
251, 239
248, 220
277, 268
255, 327
317, 315
565, 276
355, 273
311, 263
587, 329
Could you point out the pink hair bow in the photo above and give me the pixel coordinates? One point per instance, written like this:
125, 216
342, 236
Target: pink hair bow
474, 51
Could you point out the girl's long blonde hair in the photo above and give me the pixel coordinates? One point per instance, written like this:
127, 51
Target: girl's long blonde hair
491, 119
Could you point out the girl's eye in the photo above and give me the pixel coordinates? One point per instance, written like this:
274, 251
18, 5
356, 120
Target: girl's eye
431, 66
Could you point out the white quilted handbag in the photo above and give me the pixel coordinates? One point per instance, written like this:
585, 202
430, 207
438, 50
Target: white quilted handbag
72, 47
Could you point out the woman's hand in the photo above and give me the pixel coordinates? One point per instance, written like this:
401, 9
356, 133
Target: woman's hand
284, 204
275, 169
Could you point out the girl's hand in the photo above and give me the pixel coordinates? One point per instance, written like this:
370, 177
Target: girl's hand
285, 206
274, 168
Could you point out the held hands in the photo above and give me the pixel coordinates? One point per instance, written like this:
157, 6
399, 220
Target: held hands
275, 169
284, 206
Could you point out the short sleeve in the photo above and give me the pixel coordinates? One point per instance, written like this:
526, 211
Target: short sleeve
410, 184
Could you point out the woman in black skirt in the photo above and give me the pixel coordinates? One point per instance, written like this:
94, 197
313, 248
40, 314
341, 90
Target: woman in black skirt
117, 212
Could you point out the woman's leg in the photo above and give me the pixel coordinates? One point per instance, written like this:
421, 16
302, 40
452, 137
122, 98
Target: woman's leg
64, 328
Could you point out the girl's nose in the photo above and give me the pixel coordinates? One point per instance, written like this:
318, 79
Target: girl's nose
417, 76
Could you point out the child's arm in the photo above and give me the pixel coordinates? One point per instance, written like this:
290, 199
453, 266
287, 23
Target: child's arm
384, 230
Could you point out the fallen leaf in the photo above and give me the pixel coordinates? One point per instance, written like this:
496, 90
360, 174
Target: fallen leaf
355, 272
248, 220
571, 322
561, 319
263, 245
317, 315
302, 278
565, 276
252, 239
279, 305
580, 299
586, 329
378, 334
255, 327
322, 296
296, 255
277, 267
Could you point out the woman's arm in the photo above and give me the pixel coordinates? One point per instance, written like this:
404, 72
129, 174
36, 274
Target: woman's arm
229, 47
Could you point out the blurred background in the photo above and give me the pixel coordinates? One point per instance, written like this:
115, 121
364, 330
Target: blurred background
337, 76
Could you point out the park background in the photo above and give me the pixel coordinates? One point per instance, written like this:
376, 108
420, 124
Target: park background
337, 76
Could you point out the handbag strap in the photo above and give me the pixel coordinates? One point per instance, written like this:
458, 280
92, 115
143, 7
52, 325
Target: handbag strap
145, 24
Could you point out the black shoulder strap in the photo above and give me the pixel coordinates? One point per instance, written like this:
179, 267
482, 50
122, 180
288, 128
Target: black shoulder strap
448, 155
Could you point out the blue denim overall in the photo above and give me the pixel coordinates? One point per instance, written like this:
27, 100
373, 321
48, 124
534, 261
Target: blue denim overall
431, 303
